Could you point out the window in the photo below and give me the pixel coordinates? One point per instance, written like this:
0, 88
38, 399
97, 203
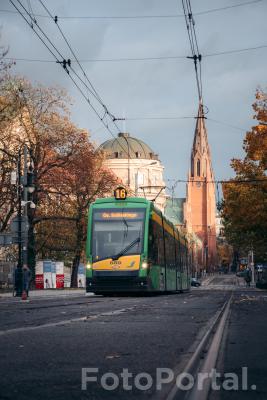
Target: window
170, 250
156, 246
137, 154
192, 167
205, 168
115, 230
116, 154
198, 167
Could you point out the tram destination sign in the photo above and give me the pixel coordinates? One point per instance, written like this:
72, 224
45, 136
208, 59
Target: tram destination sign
120, 215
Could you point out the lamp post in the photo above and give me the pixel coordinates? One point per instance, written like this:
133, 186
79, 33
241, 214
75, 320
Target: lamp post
18, 273
25, 186
136, 175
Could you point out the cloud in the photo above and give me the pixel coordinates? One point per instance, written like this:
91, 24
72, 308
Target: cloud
154, 88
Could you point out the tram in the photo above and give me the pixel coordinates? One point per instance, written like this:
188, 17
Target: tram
132, 247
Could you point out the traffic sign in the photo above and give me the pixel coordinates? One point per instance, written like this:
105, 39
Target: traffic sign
14, 226
6, 239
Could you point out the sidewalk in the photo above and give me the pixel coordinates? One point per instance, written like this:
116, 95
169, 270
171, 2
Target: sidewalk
48, 293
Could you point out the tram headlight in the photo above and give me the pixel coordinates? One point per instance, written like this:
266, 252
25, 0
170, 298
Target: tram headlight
144, 265
88, 265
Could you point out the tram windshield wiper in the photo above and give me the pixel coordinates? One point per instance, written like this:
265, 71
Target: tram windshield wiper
121, 253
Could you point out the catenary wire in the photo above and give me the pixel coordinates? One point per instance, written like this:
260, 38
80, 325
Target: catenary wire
195, 55
142, 58
60, 62
113, 119
71, 50
224, 181
129, 17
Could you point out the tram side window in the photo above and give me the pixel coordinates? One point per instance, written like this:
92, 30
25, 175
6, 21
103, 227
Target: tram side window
156, 249
178, 255
182, 257
170, 251
167, 248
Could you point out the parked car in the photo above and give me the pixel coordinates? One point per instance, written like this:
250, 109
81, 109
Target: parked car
241, 274
195, 282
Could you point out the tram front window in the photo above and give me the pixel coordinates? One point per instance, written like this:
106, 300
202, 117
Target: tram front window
117, 231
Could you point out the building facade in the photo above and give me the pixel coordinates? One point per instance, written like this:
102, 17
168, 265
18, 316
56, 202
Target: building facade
137, 166
200, 206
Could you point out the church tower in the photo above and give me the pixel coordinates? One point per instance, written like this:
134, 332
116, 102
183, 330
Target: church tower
200, 207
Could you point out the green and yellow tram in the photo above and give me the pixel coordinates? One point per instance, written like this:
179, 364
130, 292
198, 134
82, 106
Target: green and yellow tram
132, 247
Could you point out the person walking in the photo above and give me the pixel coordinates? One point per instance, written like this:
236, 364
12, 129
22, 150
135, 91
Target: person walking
26, 278
248, 277
16, 280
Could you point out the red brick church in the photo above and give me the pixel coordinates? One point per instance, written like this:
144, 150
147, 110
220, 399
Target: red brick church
200, 205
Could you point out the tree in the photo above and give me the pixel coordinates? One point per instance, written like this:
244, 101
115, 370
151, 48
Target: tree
78, 185
38, 118
68, 172
245, 200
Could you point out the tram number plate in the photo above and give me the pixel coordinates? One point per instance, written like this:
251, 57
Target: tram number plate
120, 193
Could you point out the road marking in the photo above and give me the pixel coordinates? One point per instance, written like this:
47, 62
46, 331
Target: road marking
68, 321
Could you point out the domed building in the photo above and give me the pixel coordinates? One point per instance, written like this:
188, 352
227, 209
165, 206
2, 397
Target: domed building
138, 167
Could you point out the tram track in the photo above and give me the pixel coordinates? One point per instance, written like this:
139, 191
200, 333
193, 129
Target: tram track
203, 359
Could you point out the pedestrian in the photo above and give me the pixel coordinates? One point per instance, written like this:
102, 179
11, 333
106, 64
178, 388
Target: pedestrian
26, 278
16, 280
248, 277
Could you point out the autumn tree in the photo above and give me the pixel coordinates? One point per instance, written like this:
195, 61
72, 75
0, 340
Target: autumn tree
38, 118
77, 185
245, 197
67, 171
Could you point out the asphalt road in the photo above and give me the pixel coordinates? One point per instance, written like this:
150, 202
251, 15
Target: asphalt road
45, 343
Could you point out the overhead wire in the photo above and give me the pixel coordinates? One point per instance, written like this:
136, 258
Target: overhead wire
129, 17
96, 94
55, 19
156, 58
63, 63
224, 181
226, 124
196, 56
196, 45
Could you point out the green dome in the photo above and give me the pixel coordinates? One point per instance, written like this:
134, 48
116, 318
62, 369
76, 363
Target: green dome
126, 146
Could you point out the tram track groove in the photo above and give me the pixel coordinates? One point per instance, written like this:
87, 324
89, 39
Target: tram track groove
203, 359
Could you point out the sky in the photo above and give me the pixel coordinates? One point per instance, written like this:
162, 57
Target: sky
141, 89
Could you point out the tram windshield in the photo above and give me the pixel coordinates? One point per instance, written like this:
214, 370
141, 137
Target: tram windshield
117, 232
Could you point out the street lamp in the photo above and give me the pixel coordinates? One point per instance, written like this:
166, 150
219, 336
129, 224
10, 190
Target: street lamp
136, 175
32, 204
25, 187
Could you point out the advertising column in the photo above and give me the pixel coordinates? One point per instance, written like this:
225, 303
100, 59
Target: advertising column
39, 275
81, 276
60, 275
47, 274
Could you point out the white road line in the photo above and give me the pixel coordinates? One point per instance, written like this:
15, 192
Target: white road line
65, 322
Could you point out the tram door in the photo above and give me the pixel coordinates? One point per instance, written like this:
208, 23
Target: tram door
179, 263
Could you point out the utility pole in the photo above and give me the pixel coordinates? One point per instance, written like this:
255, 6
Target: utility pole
19, 265
25, 214
252, 267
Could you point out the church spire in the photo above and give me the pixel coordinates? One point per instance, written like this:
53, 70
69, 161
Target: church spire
200, 208
200, 150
